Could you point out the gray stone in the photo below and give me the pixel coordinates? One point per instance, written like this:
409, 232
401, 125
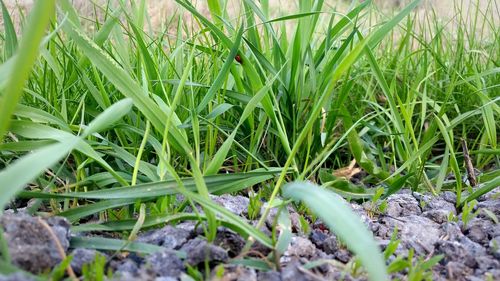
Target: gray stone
361, 211
402, 205
199, 250
439, 216
438, 203
457, 271
169, 237
258, 247
18, 276
232, 242
473, 278
142, 275
194, 228
451, 231
300, 247
491, 205
449, 196
238, 204
324, 242
495, 247
165, 264
235, 273
168, 278
269, 276
31, 245
477, 230
435, 208
295, 272
453, 251
487, 263
343, 255
83, 256
492, 195
415, 232
461, 249
271, 218
127, 265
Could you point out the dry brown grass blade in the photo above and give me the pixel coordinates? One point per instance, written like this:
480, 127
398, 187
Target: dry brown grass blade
347, 172
471, 174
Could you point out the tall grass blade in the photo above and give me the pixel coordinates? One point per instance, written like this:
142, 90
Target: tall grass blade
24, 61
343, 222
10, 44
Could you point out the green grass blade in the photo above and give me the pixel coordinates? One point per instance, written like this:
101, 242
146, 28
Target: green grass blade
24, 61
100, 243
74, 214
108, 117
221, 77
343, 222
10, 44
128, 87
247, 229
217, 184
481, 190
18, 174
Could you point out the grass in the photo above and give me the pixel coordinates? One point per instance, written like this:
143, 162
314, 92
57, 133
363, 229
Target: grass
110, 112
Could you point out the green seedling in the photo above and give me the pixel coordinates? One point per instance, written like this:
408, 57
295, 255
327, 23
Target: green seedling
96, 269
468, 212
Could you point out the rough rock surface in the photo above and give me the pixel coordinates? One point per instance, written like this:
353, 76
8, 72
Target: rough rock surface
168, 237
430, 225
235, 272
165, 264
32, 247
238, 204
199, 250
18, 276
230, 241
401, 205
419, 233
83, 256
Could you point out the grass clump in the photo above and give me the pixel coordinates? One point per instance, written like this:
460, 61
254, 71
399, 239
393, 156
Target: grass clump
115, 120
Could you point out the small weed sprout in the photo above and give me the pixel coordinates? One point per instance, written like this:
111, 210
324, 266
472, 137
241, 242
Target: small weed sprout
378, 205
254, 205
95, 270
468, 212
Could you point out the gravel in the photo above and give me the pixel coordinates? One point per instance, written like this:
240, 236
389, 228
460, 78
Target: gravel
470, 251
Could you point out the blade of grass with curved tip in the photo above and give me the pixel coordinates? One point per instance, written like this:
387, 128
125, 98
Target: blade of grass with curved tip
24, 170
39, 131
24, 61
341, 219
108, 117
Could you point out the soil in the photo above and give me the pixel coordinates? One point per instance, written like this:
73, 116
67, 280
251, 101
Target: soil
426, 225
